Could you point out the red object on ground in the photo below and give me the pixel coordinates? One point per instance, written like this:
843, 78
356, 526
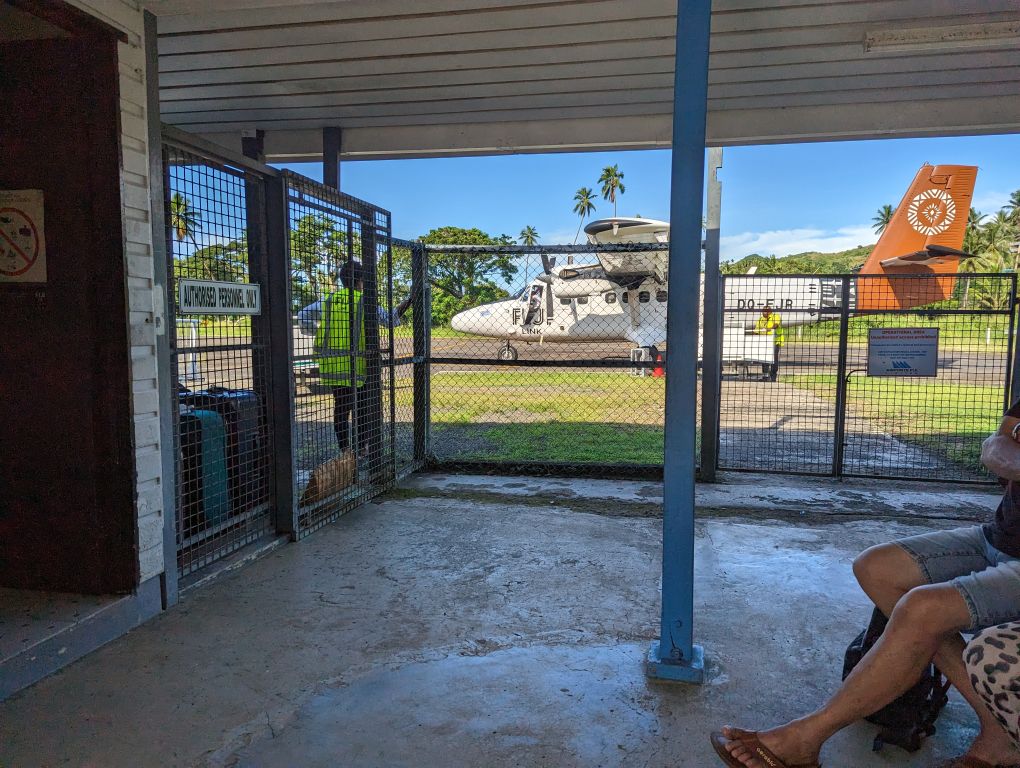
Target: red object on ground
658, 372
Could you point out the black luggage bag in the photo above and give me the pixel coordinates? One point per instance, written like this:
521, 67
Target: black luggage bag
245, 422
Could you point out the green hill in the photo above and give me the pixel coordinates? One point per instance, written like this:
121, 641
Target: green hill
811, 262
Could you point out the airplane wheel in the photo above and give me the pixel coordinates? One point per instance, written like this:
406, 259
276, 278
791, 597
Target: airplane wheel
507, 352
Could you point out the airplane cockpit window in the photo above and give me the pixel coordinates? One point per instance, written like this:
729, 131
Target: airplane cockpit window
565, 302
626, 297
610, 298
661, 296
644, 297
582, 299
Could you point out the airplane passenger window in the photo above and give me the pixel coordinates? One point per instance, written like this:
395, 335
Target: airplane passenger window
661, 296
626, 297
610, 298
644, 297
582, 299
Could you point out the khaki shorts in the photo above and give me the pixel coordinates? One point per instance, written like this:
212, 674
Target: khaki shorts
988, 579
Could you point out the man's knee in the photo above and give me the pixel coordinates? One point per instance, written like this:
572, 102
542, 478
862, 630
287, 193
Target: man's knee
877, 565
931, 611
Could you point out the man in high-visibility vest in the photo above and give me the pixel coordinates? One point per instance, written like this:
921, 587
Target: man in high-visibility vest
342, 362
771, 323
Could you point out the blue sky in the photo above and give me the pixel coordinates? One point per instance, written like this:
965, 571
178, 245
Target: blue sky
776, 199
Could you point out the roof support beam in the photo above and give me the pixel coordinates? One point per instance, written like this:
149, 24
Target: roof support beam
253, 144
332, 144
674, 656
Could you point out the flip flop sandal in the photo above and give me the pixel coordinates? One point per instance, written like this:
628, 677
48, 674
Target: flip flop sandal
764, 755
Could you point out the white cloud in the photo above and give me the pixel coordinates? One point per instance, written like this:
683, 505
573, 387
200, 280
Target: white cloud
990, 202
783, 242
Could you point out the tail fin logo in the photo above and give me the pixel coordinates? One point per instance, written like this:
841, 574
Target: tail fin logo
931, 212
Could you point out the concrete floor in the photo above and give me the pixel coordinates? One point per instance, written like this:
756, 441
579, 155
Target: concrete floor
492, 622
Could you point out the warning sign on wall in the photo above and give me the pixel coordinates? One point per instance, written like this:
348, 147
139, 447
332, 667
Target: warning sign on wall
22, 236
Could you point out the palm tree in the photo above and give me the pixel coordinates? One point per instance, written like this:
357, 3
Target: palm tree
528, 236
185, 221
882, 218
612, 184
972, 243
1012, 208
584, 204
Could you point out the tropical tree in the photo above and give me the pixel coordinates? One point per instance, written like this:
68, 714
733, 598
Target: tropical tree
972, 243
584, 204
1012, 208
318, 248
465, 279
528, 236
882, 218
612, 184
220, 261
185, 221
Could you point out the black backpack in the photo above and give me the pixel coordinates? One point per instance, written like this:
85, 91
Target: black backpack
910, 718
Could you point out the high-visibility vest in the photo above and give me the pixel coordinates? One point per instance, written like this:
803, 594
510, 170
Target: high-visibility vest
333, 351
774, 325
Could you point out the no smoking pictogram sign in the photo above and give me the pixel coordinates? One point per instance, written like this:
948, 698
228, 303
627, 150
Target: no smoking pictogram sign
22, 245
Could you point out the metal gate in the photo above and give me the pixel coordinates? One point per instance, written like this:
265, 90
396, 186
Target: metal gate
253, 253
808, 405
216, 238
329, 231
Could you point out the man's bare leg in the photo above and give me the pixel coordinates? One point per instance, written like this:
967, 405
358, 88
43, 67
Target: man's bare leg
886, 573
925, 622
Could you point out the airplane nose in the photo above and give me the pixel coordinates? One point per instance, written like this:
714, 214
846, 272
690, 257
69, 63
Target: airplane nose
464, 322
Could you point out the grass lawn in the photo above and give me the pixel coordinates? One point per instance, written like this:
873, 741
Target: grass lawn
527, 415
955, 331
948, 419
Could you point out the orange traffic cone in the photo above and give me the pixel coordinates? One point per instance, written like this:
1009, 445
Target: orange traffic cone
658, 372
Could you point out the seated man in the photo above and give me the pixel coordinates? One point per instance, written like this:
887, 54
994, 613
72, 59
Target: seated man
932, 587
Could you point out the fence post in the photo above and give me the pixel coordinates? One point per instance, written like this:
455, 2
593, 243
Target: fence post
711, 320
1013, 347
373, 363
421, 323
839, 433
281, 363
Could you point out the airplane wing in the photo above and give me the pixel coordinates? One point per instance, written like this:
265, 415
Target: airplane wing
624, 268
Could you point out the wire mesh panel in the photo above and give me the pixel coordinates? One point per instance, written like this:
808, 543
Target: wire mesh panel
219, 354
929, 426
798, 395
346, 326
547, 357
777, 385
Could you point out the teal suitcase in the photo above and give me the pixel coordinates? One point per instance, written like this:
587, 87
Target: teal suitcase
204, 476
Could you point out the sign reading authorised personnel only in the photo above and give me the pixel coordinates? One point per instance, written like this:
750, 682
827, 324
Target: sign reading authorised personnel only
212, 297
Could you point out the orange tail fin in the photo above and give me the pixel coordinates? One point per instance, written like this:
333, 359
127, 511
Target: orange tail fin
933, 212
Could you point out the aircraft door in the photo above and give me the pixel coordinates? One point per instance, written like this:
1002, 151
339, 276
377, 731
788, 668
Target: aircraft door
534, 314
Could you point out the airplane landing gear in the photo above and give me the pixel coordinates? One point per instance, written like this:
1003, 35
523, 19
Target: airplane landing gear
507, 352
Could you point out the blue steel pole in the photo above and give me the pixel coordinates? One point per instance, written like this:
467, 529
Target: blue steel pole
674, 656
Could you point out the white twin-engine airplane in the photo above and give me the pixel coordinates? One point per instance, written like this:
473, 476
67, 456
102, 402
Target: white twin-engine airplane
622, 296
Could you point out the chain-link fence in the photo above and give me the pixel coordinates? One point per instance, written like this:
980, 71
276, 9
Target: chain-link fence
548, 358
798, 394
219, 352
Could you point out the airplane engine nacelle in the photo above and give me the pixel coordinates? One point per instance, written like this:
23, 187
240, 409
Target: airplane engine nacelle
576, 289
